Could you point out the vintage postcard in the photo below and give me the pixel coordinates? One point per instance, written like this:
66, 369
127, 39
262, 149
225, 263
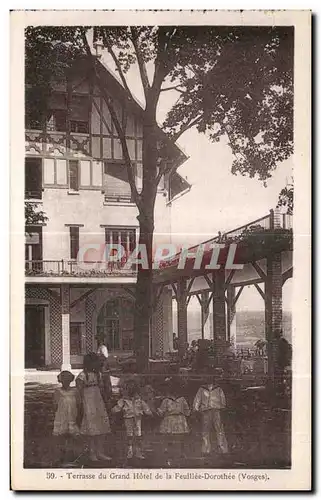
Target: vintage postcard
160, 250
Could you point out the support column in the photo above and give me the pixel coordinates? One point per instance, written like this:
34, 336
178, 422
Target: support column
219, 316
182, 315
65, 324
204, 303
273, 310
231, 315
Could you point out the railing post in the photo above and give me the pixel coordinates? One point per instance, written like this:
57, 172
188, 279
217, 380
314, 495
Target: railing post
62, 265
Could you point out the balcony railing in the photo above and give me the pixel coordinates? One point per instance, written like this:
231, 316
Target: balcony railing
76, 268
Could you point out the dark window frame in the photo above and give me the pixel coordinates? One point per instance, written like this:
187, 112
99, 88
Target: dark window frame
74, 237
76, 177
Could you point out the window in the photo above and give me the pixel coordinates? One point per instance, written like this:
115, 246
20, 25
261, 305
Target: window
126, 237
115, 324
75, 339
79, 114
116, 185
57, 120
74, 175
74, 241
57, 116
79, 126
33, 248
33, 178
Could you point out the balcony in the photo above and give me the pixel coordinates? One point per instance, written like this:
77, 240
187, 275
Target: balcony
76, 269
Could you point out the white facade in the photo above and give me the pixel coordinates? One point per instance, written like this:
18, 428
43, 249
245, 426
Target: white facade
75, 173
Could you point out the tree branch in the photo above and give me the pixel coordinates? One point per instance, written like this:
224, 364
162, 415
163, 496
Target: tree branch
141, 62
186, 127
120, 131
174, 87
117, 64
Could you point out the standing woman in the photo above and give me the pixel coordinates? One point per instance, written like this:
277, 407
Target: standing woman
95, 422
102, 353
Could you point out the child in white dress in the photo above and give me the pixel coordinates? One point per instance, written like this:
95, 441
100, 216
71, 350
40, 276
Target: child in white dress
133, 408
174, 409
67, 403
95, 422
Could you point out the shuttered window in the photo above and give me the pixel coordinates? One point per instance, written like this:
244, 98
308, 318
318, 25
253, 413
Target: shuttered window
33, 178
74, 241
74, 175
116, 185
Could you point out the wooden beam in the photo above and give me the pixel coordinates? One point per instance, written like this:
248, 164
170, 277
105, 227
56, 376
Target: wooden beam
81, 298
237, 295
229, 278
247, 282
259, 270
130, 292
287, 274
260, 291
208, 281
198, 298
189, 286
174, 289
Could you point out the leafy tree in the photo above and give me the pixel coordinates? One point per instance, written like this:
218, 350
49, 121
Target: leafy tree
230, 81
34, 216
286, 199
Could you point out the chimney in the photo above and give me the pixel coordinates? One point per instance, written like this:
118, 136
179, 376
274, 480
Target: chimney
98, 46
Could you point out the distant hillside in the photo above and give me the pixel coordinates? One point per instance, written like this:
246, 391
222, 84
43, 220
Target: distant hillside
249, 324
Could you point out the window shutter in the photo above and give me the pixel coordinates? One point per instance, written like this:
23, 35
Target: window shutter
73, 175
116, 183
74, 241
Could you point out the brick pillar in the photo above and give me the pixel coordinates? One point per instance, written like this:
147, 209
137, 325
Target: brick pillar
273, 310
231, 315
65, 322
181, 315
219, 317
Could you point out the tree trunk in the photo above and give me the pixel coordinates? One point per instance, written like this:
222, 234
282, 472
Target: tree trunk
144, 287
143, 303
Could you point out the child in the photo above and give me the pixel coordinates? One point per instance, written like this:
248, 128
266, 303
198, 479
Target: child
133, 407
174, 410
95, 422
67, 402
209, 401
102, 353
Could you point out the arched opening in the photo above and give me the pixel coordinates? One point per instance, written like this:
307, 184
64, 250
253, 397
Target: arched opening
115, 323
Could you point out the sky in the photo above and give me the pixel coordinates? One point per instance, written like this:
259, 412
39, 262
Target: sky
218, 200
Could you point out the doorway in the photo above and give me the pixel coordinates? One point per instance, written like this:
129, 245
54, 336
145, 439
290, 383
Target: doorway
34, 336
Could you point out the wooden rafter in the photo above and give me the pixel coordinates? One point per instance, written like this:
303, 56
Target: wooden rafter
81, 298
174, 289
229, 278
208, 281
259, 270
259, 289
287, 274
130, 291
189, 286
237, 296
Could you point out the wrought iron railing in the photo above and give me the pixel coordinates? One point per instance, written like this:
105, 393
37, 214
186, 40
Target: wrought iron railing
76, 268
